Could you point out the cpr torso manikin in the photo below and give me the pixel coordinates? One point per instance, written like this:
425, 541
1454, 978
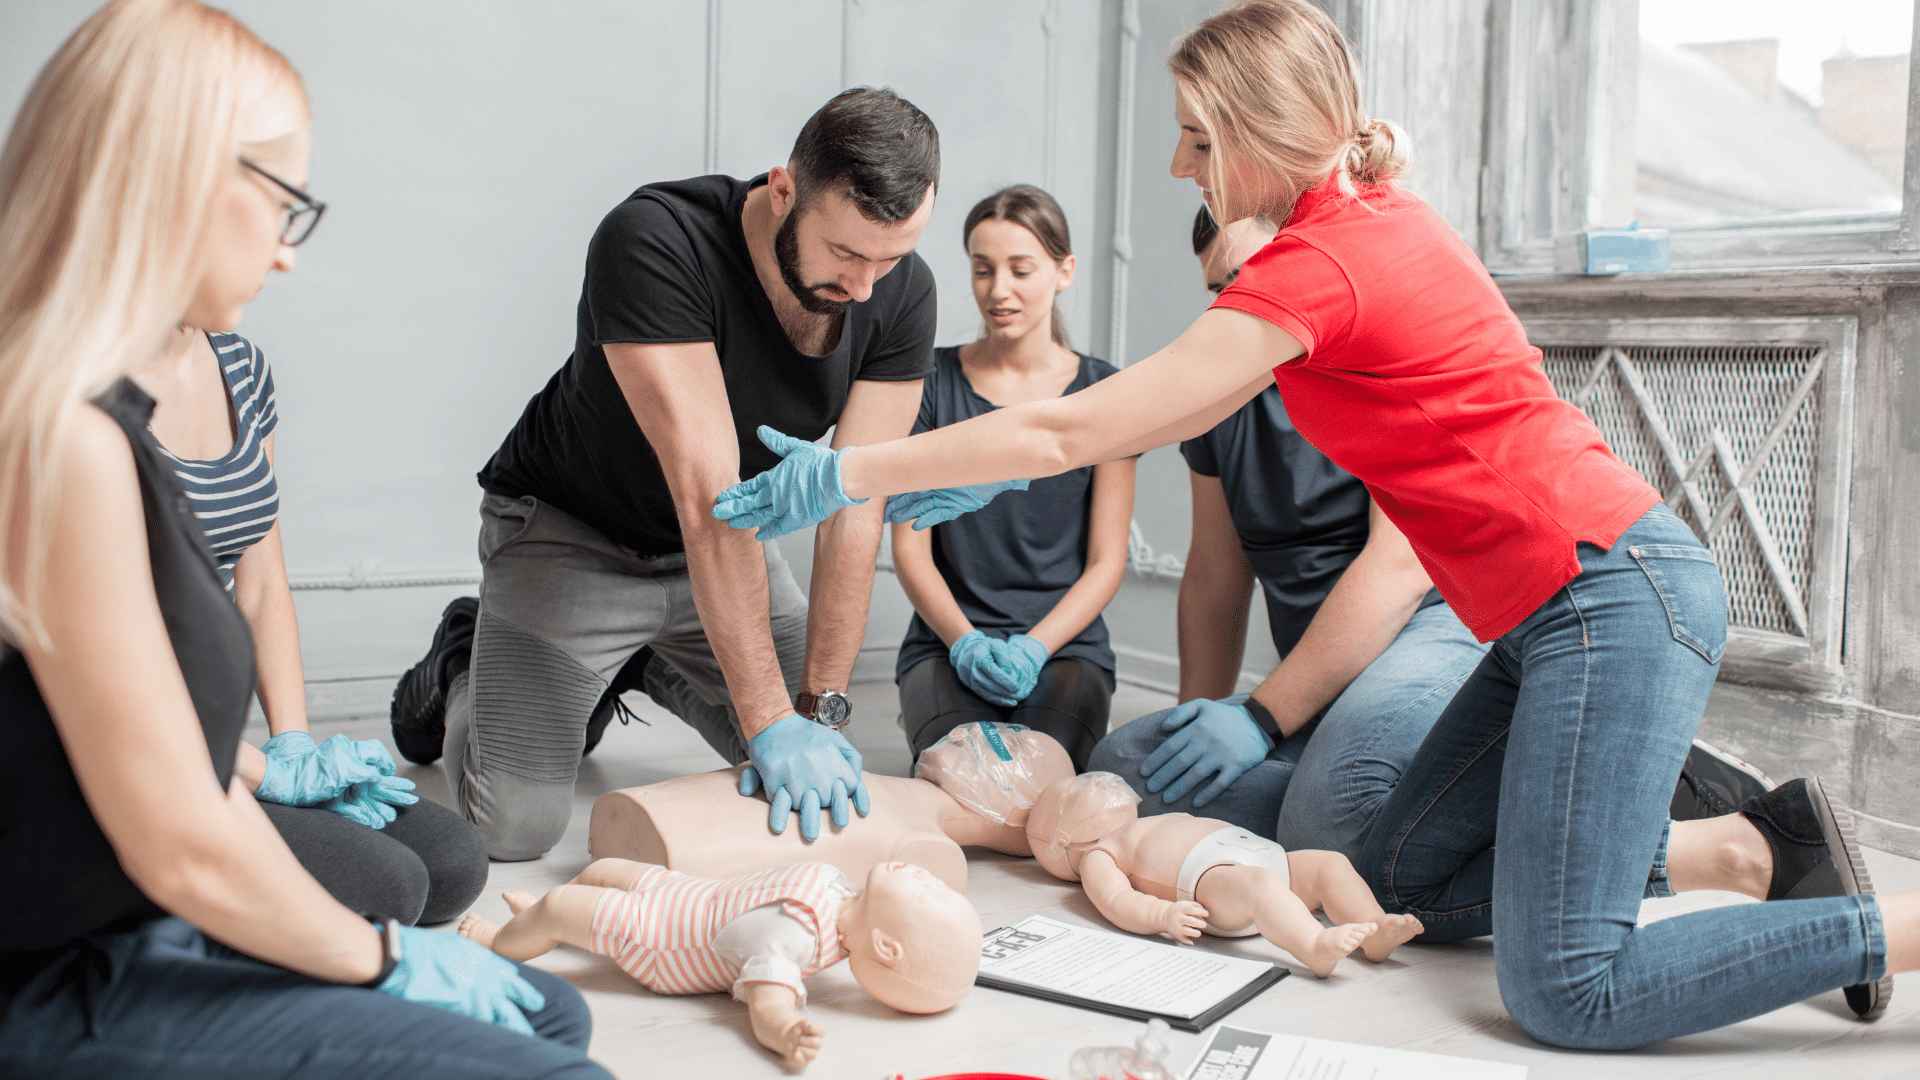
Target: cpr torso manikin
979, 783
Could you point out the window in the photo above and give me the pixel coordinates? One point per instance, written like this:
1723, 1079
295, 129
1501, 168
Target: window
1758, 132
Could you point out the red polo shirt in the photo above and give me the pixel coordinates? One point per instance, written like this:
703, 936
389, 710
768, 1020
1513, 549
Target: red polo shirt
1418, 379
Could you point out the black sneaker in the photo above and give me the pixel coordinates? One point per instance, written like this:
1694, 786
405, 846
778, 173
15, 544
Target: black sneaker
629, 677
1815, 854
419, 710
1714, 783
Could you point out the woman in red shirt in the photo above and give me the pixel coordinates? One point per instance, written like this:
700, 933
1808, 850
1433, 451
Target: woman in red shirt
1399, 358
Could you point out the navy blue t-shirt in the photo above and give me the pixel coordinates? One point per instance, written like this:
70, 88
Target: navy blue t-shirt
1301, 518
1008, 563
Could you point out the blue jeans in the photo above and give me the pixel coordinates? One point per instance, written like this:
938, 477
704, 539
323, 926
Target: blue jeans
1322, 787
163, 1000
1567, 741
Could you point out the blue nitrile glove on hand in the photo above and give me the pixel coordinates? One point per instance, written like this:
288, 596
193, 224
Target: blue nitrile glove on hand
372, 802
449, 972
803, 766
804, 489
940, 505
300, 773
1021, 657
1205, 739
975, 663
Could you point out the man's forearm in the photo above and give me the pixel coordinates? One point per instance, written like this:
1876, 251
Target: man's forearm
1366, 610
844, 551
1212, 624
729, 575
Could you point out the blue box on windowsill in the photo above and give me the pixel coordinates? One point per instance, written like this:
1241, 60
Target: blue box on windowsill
1632, 250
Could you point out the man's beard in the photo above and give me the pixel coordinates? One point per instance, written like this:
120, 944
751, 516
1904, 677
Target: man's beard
786, 252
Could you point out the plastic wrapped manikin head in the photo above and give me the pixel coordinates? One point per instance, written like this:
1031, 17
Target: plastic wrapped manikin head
995, 770
911, 940
1073, 813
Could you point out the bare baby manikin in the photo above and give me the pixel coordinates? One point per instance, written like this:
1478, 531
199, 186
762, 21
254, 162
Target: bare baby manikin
984, 777
1179, 875
911, 941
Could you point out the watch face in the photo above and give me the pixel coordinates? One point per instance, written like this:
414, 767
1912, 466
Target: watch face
833, 709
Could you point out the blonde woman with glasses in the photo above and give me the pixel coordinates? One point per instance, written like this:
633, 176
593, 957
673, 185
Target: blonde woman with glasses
156, 924
1400, 360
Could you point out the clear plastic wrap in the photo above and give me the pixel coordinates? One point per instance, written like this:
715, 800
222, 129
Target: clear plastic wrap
1146, 1059
995, 770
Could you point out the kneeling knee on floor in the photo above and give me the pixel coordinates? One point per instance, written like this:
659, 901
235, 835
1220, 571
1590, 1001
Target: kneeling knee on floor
1565, 1016
525, 829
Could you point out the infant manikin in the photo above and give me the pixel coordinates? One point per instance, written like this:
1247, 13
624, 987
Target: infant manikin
977, 785
1179, 875
910, 941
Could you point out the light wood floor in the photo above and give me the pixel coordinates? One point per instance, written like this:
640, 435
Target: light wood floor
1436, 999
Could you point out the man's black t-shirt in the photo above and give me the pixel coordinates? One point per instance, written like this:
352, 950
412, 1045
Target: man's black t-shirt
670, 265
1301, 518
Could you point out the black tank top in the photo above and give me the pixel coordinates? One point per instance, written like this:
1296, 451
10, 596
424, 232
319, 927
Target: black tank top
62, 878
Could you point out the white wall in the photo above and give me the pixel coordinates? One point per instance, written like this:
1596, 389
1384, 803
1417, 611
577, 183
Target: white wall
467, 152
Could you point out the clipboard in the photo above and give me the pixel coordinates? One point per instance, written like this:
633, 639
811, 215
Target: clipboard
1236, 982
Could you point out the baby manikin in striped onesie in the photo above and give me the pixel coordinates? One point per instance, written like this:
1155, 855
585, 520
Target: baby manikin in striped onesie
912, 941
679, 934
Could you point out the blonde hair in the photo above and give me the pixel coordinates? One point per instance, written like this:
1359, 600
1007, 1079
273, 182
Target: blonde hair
1273, 84
106, 181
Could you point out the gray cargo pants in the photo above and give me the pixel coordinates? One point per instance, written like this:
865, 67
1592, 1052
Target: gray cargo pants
562, 608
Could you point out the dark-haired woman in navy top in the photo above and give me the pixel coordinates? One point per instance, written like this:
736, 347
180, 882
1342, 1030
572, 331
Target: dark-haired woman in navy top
1007, 600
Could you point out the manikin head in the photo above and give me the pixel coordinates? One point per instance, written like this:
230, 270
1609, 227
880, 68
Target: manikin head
1072, 814
854, 196
995, 770
911, 940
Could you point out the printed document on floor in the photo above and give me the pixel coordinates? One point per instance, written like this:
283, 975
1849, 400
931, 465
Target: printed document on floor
1231, 1053
1122, 974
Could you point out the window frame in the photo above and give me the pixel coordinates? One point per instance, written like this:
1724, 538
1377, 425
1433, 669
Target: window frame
1573, 49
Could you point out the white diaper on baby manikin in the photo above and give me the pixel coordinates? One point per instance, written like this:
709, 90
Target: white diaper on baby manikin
1231, 845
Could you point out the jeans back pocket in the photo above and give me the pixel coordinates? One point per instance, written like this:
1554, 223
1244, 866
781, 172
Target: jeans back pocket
1690, 588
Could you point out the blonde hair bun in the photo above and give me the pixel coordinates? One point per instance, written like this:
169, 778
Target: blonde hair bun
1379, 153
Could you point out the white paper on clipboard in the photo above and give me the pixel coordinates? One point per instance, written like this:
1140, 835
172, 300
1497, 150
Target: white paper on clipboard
1105, 968
1231, 1053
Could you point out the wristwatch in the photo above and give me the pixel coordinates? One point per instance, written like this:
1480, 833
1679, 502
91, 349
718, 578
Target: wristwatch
828, 708
389, 932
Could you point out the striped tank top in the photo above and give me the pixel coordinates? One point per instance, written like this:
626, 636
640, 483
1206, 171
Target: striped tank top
235, 497
662, 931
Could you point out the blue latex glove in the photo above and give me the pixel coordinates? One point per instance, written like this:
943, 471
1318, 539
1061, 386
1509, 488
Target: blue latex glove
975, 664
1021, 657
804, 489
804, 766
449, 972
372, 802
940, 505
300, 773
1205, 739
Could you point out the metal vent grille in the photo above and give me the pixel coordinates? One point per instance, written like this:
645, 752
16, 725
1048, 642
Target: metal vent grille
1731, 436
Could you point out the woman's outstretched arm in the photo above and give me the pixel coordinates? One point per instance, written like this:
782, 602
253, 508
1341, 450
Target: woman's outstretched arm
1178, 392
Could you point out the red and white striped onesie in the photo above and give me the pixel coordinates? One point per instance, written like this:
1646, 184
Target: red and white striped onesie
662, 931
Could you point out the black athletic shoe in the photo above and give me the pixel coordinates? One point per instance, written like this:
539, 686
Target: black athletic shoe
1714, 783
419, 710
1815, 854
630, 677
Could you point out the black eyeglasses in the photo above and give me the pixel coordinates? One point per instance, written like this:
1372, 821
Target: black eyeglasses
301, 219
